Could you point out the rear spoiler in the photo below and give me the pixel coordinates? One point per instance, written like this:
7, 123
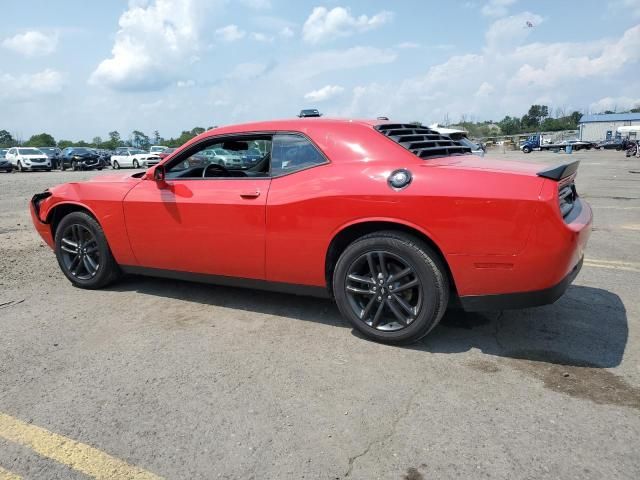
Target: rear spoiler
560, 171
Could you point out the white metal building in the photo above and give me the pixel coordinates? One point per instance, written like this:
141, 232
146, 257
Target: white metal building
600, 127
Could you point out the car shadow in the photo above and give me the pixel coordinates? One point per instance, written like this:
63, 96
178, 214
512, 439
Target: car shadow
587, 327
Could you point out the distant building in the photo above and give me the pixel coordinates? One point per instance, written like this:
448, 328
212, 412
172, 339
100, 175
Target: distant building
604, 126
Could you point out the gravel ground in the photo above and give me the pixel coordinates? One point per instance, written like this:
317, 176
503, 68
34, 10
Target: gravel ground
196, 381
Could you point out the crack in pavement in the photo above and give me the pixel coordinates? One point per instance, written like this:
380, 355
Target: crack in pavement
496, 331
383, 438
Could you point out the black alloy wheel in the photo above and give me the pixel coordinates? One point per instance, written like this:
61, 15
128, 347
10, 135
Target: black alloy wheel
383, 290
80, 252
391, 286
83, 252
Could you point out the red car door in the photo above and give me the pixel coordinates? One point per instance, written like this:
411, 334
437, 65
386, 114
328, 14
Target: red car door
211, 225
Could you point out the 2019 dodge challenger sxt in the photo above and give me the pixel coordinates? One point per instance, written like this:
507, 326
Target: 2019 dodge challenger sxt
394, 221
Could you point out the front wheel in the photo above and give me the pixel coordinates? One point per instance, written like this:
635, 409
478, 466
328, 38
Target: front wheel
391, 286
83, 252
136, 164
526, 149
20, 167
116, 165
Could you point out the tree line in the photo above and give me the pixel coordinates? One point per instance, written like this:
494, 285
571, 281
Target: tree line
537, 118
114, 140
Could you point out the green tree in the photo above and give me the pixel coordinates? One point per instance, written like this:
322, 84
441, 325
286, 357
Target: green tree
64, 143
6, 140
140, 140
41, 140
510, 125
97, 142
157, 139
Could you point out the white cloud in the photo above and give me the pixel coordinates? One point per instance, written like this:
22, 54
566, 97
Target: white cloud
324, 93
324, 24
247, 71
507, 33
552, 73
186, 83
257, 4
27, 87
286, 32
32, 43
614, 104
231, 33
261, 37
497, 8
484, 90
408, 45
335, 60
153, 43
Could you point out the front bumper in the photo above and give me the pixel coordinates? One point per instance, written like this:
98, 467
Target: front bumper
43, 229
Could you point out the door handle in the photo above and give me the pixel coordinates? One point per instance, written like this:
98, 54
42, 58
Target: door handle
251, 194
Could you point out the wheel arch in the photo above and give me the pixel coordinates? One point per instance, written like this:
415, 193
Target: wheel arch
349, 233
61, 210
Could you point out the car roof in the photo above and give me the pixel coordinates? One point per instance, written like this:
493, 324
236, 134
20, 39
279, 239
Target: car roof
294, 124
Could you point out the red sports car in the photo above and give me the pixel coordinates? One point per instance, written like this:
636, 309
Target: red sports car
394, 221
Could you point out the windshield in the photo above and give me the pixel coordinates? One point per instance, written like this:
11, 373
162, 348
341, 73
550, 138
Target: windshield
467, 143
81, 150
134, 151
29, 151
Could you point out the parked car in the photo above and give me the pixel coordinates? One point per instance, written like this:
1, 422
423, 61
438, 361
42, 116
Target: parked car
157, 149
251, 156
460, 136
393, 221
133, 158
166, 152
222, 157
309, 112
5, 165
80, 158
613, 144
27, 158
53, 153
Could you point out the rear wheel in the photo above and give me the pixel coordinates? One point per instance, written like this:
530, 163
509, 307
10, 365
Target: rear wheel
391, 286
83, 253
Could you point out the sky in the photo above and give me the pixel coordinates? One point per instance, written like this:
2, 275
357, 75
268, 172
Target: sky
79, 69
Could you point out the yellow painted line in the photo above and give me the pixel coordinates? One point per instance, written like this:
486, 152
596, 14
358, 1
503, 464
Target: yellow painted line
631, 227
611, 266
80, 457
7, 475
613, 262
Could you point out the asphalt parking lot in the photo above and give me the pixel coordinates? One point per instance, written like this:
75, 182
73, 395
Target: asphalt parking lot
158, 378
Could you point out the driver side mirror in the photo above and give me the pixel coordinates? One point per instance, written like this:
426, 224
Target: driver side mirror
159, 174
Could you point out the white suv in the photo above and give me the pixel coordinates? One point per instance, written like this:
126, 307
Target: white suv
24, 158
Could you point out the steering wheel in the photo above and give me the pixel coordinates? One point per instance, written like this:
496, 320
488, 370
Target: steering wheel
217, 167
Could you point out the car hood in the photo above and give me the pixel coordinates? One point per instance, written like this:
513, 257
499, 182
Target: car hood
117, 178
488, 164
31, 157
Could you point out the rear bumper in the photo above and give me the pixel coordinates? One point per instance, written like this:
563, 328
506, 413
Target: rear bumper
508, 301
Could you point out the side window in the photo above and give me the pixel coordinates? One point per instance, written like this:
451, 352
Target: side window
292, 153
240, 157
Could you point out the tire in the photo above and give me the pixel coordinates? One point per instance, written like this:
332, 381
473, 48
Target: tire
116, 165
136, 164
100, 168
74, 166
62, 167
526, 149
48, 169
428, 298
107, 270
20, 167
